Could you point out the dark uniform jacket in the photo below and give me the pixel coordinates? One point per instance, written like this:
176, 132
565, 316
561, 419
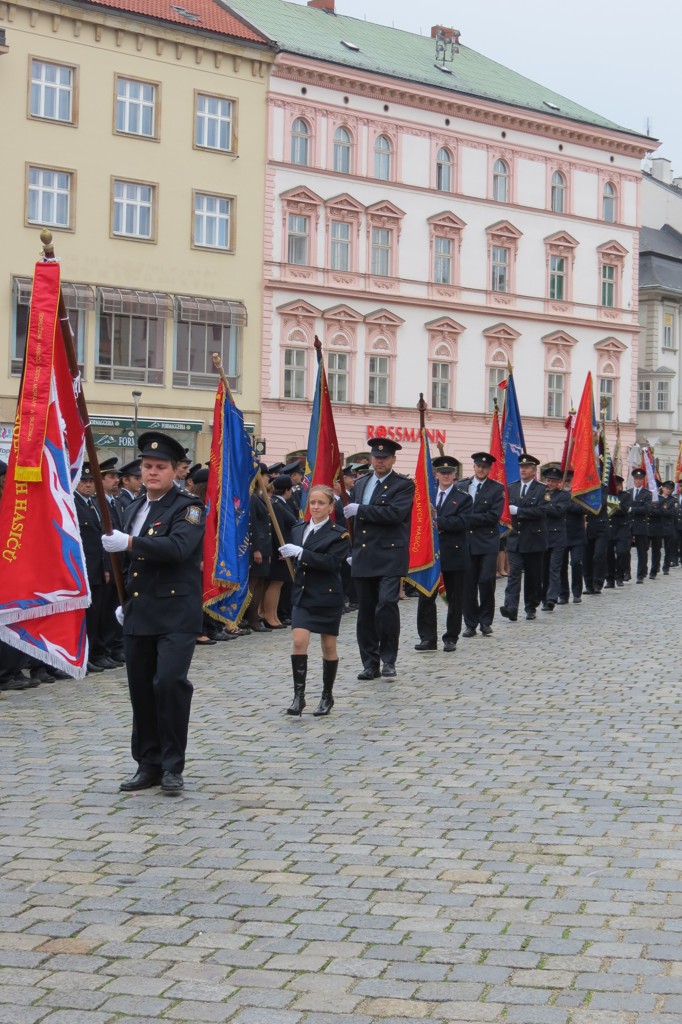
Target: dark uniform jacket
659, 517
382, 528
123, 499
260, 532
678, 511
115, 513
317, 584
529, 525
556, 518
484, 518
668, 504
575, 524
452, 524
619, 520
91, 535
163, 581
639, 511
598, 523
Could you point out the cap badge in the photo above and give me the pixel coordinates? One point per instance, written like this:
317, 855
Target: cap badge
154, 444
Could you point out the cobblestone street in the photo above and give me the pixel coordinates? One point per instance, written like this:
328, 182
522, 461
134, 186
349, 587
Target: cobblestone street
494, 836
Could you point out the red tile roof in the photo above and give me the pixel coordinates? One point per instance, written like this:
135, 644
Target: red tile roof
210, 16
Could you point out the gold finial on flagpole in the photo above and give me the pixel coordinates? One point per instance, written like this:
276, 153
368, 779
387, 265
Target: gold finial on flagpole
48, 246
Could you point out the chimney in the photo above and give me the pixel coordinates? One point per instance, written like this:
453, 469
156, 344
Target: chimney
323, 5
661, 170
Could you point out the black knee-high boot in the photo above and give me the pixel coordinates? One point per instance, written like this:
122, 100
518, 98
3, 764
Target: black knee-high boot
328, 676
299, 667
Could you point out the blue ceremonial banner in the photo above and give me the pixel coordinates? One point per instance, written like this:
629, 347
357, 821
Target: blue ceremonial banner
513, 441
424, 568
234, 465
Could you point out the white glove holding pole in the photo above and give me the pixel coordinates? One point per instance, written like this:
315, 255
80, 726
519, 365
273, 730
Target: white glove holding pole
115, 541
119, 615
514, 509
290, 551
351, 509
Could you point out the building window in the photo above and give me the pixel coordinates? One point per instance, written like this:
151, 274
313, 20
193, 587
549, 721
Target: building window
555, 394
444, 170
608, 285
382, 158
342, 151
135, 107
381, 251
340, 245
298, 235
49, 197
663, 396
52, 89
212, 221
337, 376
130, 349
300, 142
558, 197
496, 374
501, 181
668, 330
609, 198
557, 277
644, 396
133, 210
294, 373
606, 397
500, 268
442, 260
196, 340
440, 385
378, 380
214, 127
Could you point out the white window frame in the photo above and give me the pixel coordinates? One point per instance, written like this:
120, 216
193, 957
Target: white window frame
496, 374
300, 142
558, 278
214, 127
609, 202
213, 221
501, 181
340, 252
441, 383
42, 91
663, 396
49, 195
338, 375
343, 150
668, 340
131, 201
644, 396
500, 268
298, 238
556, 390
607, 396
136, 100
383, 158
442, 260
381, 253
295, 364
444, 166
378, 380
608, 285
559, 192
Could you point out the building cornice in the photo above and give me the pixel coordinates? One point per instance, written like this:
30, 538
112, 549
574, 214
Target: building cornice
469, 108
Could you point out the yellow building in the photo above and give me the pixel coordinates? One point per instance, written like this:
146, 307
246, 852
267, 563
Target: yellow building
139, 140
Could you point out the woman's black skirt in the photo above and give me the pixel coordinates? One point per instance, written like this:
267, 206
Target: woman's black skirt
321, 620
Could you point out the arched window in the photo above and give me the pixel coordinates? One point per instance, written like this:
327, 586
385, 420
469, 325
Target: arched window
300, 142
382, 158
558, 193
444, 170
501, 181
342, 151
609, 197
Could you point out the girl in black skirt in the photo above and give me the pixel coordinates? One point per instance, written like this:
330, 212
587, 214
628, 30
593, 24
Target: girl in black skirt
320, 548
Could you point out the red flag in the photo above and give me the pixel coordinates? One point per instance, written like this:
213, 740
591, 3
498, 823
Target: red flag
568, 443
498, 471
424, 567
43, 586
586, 487
323, 458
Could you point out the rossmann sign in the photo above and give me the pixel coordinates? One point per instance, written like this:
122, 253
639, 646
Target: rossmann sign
405, 433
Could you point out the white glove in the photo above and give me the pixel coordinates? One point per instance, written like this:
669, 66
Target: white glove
514, 509
350, 559
119, 615
351, 509
290, 551
115, 541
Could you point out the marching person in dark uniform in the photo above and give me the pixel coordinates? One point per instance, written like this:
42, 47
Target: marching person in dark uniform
639, 513
381, 508
98, 570
597, 539
678, 523
182, 470
320, 548
575, 549
451, 516
527, 542
556, 538
618, 553
260, 534
164, 532
112, 634
294, 470
129, 485
483, 543
279, 570
656, 525
667, 502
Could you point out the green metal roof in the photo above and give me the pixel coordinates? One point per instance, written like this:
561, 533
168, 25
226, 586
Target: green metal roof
309, 32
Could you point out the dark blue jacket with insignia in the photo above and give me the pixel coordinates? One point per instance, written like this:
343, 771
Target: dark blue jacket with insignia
382, 527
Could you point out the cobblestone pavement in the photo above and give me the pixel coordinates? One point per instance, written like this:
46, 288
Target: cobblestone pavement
494, 836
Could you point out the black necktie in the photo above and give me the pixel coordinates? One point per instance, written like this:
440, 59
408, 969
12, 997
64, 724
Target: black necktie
441, 499
523, 491
478, 490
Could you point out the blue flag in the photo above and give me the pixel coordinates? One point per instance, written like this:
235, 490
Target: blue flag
513, 441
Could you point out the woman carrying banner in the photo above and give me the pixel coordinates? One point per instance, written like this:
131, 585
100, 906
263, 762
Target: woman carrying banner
320, 549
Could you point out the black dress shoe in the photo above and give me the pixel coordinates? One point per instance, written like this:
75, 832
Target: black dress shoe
105, 663
426, 645
609, 585
549, 606
172, 784
204, 641
388, 670
119, 657
258, 627
487, 630
92, 667
469, 631
562, 600
577, 600
530, 616
619, 583
449, 646
141, 780
369, 673
507, 613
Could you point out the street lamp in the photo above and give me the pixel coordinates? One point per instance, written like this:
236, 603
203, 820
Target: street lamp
137, 395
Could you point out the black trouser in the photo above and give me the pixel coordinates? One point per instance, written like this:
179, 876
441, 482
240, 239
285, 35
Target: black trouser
670, 550
551, 573
378, 627
530, 567
161, 697
427, 613
577, 553
112, 633
478, 602
656, 546
94, 621
11, 662
595, 562
642, 545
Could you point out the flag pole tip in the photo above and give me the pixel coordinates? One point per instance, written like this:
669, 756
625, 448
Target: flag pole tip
46, 239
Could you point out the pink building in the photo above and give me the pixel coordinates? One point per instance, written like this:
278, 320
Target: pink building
433, 217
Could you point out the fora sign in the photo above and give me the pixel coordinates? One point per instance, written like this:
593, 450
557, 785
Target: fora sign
394, 433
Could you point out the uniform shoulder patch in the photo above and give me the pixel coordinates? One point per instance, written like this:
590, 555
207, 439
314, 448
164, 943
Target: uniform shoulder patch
193, 515
346, 534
